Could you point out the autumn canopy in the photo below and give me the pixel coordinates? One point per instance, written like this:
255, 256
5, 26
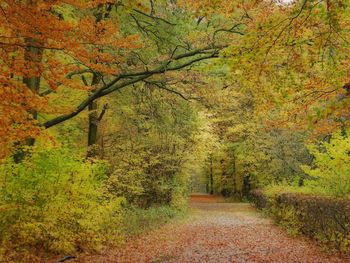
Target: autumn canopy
146, 101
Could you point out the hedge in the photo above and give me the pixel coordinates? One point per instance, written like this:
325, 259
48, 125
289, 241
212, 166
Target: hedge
324, 219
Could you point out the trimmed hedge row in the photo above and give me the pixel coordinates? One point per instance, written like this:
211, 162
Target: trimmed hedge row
324, 219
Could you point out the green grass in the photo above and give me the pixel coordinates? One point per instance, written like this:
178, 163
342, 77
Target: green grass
138, 221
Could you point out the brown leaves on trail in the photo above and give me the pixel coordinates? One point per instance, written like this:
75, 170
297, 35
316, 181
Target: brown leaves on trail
218, 232
200, 198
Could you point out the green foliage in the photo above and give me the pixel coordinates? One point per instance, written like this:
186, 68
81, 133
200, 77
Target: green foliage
56, 202
286, 216
239, 135
180, 193
275, 189
152, 137
330, 172
250, 153
328, 175
138, 221
273, 157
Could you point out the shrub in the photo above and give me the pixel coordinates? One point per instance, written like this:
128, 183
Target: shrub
56, 202
325, 219
259, 199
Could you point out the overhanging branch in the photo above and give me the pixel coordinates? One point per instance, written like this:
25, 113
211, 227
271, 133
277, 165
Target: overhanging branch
163, 87
132, 78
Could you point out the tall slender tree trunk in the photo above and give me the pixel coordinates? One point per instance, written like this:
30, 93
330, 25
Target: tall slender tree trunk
211, 175
233, 172
93, 122
92, 134
33, 56
101, 13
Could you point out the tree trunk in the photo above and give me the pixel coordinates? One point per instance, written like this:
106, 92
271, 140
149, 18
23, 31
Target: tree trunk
233, 172
93, 122
92, 136
32, 56
101, 12
211, 175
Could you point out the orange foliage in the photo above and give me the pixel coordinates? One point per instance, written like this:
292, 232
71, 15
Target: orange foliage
37, 41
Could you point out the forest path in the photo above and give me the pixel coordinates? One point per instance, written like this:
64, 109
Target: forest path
218, 232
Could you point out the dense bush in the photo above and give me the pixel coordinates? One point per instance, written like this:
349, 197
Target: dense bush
324, 219
56, 203
259, 199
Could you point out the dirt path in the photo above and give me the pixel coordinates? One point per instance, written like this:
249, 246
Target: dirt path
218, 232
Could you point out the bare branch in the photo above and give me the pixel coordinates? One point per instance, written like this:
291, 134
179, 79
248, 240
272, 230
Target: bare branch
164, 87
154, 17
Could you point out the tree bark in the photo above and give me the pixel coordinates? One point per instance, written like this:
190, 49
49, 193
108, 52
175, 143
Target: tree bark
233, 172
211, 175
32, 56
101, 12
93, 122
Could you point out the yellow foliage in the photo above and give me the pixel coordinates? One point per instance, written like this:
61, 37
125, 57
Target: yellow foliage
55, 202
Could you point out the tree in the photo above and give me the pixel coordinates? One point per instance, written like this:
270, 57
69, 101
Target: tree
329, 172
295, 57
99, 48
38, 54
147, 137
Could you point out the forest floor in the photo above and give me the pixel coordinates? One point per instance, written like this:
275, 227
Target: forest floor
218, 232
